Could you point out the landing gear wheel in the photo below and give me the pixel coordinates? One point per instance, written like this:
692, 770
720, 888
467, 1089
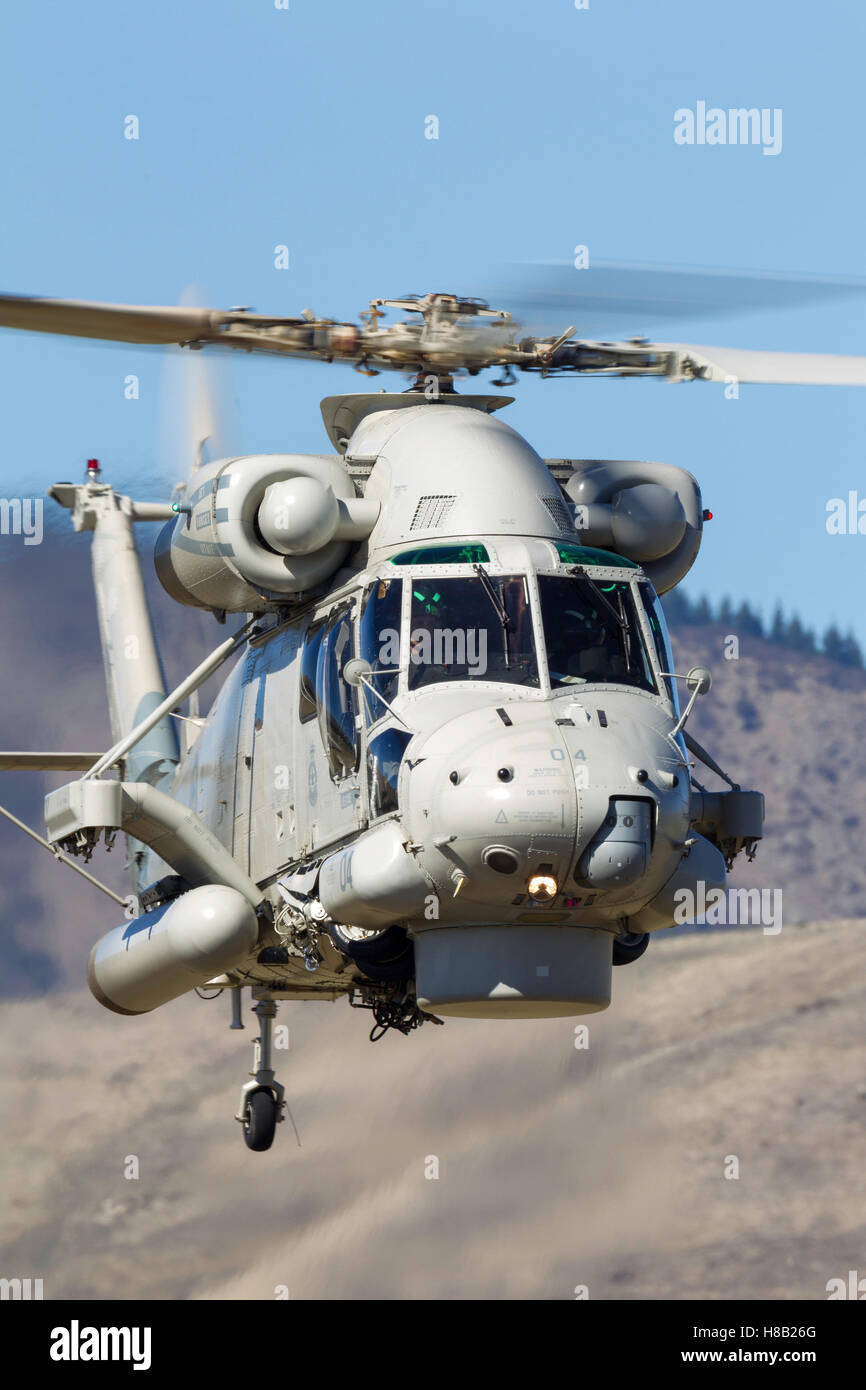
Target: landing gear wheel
260, 1120
629, 947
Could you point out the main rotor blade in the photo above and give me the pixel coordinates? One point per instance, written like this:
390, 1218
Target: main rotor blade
183, 326
447, 336
121, 323
772, 368
630, 297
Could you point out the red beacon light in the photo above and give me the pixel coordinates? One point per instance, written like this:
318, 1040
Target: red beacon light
93, 470
708, 516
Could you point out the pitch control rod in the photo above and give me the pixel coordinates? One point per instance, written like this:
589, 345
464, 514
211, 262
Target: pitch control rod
61, 858
192, 682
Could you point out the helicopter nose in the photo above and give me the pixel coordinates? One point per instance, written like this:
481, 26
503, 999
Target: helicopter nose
530, 859
497, 804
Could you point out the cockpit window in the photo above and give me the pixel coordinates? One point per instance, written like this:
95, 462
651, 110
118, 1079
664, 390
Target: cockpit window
591, 632
335, 697
472, 629
443, 555
309, 658
383, 761
589, 555
379, 632
659, 629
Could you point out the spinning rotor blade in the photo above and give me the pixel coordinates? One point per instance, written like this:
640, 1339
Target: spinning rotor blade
449, 334
773, 368
198, 419
306, 336
625, 297
119, 323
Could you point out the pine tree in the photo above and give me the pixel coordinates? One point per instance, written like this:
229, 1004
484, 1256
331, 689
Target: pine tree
677, 608
799, 638
853, 652
845, 650
831, 642
703, 611
747, 623
681, 610
778, 630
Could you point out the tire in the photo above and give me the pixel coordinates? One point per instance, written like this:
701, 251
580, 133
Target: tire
629, 947
388, 956
260, 1120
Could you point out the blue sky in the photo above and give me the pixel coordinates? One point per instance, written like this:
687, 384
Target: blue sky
305, 127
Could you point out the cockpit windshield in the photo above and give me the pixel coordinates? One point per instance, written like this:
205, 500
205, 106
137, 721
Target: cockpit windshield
477, 628
592, 633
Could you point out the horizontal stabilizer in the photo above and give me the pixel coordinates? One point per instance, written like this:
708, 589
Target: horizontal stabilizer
47, 762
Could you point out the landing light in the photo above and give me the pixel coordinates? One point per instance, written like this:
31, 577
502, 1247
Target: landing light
542, 887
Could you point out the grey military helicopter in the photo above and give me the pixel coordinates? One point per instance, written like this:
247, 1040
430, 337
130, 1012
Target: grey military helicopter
448, 775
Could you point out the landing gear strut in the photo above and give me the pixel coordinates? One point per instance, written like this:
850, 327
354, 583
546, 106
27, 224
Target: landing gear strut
261, 1106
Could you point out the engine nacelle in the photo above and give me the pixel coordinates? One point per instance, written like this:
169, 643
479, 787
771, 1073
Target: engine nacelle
255, 530
648, 512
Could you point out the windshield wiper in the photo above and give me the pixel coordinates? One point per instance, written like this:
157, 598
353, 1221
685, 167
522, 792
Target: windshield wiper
619, 616
498, 608
625, 633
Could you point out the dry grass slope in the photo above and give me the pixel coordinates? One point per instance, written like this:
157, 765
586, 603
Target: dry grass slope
558, 1166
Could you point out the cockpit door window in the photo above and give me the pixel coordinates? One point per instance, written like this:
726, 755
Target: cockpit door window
309, 660
335, 698
379, 636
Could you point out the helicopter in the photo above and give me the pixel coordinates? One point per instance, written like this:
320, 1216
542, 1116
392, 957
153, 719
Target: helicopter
448, 774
